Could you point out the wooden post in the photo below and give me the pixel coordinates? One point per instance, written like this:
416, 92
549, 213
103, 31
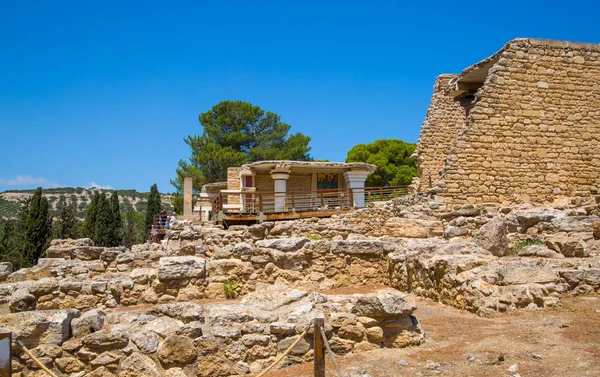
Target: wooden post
220, 201
319, 348
381, 193
293, 202
351, 204
260, 203
322, 200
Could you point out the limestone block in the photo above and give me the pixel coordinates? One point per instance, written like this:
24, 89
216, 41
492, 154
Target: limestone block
40, 327
182, 267
412, 228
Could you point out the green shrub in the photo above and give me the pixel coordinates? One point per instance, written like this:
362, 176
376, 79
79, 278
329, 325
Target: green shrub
514, 249
230, 287
314, 237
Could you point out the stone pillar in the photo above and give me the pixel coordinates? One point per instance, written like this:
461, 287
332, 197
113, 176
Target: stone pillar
280, 187
187, 197
355, 180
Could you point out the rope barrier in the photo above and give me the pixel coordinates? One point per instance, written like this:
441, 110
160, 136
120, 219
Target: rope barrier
35, 360
278, 360
331, 354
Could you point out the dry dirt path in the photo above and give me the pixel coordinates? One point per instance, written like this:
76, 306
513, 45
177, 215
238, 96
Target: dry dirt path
563, 342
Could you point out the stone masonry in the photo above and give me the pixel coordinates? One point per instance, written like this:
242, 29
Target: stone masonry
445, 119
532, 133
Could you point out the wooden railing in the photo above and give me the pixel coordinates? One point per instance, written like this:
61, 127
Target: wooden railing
275, 202
378, 194
253, 202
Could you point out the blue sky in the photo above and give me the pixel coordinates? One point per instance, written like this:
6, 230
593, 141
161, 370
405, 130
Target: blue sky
103, 92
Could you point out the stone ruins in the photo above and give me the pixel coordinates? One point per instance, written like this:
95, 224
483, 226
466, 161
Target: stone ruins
212, 301
521, 125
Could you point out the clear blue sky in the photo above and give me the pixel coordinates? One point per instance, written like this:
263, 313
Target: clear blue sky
103, 92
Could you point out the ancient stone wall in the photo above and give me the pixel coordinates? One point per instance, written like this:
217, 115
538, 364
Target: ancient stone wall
233, 183
534, 132
445, 119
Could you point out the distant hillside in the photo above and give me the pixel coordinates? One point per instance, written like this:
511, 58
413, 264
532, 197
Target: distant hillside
60, 197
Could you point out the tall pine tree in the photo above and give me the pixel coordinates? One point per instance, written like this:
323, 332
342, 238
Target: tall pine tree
116, 237
153, 208
38, 228
129, 230
89, 224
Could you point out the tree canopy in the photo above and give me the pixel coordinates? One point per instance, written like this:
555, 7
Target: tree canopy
235, 133
395, 167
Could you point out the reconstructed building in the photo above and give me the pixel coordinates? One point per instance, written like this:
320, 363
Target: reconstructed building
287, 187
523, 124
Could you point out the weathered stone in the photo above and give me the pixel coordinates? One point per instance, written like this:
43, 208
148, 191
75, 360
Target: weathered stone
106, 359
105, 340
300, 349
521, 273
6, 269
567, 246
39, 327
183, 311
183, 267
273, 297
176, 350
539, 251
213, 366
455, 231
146, 341
22, 301
382, 305
163, 326
492, 236
137, 365
353, 332
412, 228
91, 321
283, 244
72, 345
69, 364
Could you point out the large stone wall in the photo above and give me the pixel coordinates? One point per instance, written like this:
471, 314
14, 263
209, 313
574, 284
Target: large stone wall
445, 119
534, 132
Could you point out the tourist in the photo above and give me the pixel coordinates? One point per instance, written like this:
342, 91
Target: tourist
172, 219
163, 218
154, 234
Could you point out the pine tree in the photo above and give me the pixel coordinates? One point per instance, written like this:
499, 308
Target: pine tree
89, 224
153, 208
68, 225
117, 223
104, 220
38, 228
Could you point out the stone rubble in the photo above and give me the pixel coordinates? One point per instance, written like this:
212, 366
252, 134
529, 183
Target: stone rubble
92, 311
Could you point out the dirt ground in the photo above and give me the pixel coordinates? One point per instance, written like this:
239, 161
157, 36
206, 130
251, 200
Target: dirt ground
553, 342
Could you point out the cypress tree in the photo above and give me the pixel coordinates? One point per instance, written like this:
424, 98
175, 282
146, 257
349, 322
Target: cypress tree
10, 246
38, 228
104, 219
117, 223
89, 224
153, 208
68, 225
129, 230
